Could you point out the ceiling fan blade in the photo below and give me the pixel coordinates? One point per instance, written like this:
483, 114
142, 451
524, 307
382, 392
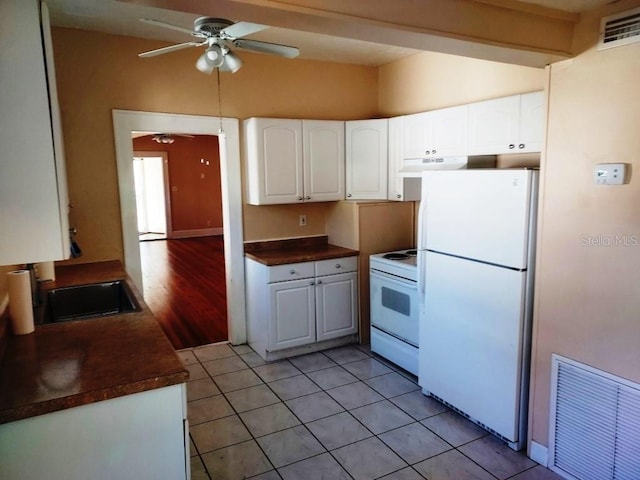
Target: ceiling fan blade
157, 23
241, 29
171, 48
265, 47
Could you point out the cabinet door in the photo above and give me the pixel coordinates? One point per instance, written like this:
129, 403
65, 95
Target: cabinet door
291, 314
531, 133
31, 213
366, 162
449, 131
416, 135
323, 160
394, 183
274, 161
336, 300
493, 126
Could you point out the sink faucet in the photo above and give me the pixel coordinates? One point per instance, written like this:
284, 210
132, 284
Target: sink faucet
74, 247
35, 292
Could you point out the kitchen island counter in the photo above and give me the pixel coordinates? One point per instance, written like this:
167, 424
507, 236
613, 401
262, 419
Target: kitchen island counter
70, 364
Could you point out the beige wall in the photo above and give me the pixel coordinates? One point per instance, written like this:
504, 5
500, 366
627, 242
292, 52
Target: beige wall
429, 80
98, 72
588, 296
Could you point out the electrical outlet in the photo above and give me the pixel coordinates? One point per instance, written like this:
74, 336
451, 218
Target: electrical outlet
302, 220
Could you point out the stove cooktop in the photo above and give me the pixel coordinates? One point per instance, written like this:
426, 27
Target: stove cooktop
400, 263
400, 255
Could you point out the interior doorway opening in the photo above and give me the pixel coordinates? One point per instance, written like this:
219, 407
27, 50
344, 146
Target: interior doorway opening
228, 132
178, 183
151, 183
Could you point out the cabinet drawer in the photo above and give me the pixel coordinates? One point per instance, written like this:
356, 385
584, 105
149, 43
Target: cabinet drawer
336, 265
290, 271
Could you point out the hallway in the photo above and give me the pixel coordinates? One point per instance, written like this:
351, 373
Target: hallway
184, 286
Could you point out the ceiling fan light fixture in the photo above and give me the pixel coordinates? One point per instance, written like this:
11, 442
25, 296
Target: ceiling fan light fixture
214, 55
232, 62
204, 65
163, 138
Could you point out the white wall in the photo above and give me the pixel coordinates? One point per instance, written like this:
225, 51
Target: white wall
588, 279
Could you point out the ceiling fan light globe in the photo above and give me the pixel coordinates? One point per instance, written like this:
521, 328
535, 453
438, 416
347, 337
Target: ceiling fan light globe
214, 55
232, 62
204, 65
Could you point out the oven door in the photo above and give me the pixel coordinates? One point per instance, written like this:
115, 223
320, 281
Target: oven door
394, 306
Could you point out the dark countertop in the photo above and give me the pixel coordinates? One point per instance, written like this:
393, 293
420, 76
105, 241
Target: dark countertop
70, 364
281, 252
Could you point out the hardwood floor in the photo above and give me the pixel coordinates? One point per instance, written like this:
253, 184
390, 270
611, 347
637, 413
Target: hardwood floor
184, 286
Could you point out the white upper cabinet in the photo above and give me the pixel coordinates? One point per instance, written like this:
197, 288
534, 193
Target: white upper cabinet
512, 124
294, 161
274, 160
366, 159
323, 160
32, 179
435, 134
531, 122
400, 187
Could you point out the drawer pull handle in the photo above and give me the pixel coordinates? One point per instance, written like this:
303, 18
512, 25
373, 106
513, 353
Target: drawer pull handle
338, 265
311, 282
319, 282
292, 272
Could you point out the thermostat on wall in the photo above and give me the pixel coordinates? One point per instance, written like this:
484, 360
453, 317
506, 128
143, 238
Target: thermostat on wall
610, 173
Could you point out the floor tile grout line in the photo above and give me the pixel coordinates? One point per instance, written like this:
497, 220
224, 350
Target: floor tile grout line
281, 401
297, 418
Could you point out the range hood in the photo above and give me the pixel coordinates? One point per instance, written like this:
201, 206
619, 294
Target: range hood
413, 167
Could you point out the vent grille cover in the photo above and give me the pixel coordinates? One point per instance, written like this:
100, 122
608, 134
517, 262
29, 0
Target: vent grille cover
620, 29
595, 423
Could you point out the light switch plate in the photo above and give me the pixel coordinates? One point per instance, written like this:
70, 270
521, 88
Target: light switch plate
610, 173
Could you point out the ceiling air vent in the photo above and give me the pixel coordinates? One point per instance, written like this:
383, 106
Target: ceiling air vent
620, 29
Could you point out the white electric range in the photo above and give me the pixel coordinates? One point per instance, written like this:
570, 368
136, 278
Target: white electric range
393, 278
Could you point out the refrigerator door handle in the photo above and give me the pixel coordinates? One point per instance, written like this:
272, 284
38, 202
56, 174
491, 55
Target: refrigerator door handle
422, 234
421, 273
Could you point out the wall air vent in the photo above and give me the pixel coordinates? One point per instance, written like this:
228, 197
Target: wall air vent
594, 423
620, 29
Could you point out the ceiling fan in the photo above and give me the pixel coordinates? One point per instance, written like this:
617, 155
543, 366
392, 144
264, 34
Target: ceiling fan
168, 137
218, 35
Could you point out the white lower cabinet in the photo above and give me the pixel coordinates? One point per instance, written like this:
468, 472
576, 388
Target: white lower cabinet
291, 314
142, 435
301, 305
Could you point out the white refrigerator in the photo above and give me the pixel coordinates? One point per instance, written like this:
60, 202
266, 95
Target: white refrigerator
476, 242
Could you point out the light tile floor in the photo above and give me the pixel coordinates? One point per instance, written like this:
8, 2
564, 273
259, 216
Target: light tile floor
341, 414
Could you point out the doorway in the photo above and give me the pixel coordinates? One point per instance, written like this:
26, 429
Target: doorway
152, 201
228, 132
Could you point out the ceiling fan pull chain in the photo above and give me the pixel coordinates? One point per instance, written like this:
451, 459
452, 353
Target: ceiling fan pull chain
220, 130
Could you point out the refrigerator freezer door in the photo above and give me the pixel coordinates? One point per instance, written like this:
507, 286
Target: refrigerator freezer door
478, 214
471, 339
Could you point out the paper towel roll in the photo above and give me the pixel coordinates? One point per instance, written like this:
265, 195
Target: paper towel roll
46, 271
20, 304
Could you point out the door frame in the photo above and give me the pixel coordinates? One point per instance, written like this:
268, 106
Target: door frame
228, 131
165, 184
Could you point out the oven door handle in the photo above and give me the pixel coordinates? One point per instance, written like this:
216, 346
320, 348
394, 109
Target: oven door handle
393, 279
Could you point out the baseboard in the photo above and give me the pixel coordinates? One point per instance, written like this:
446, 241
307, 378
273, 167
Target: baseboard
539, 453
201, 232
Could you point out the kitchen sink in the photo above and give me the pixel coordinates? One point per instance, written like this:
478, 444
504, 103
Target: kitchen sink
89, 301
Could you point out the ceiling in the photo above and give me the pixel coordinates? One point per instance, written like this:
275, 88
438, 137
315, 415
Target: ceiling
115, 17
